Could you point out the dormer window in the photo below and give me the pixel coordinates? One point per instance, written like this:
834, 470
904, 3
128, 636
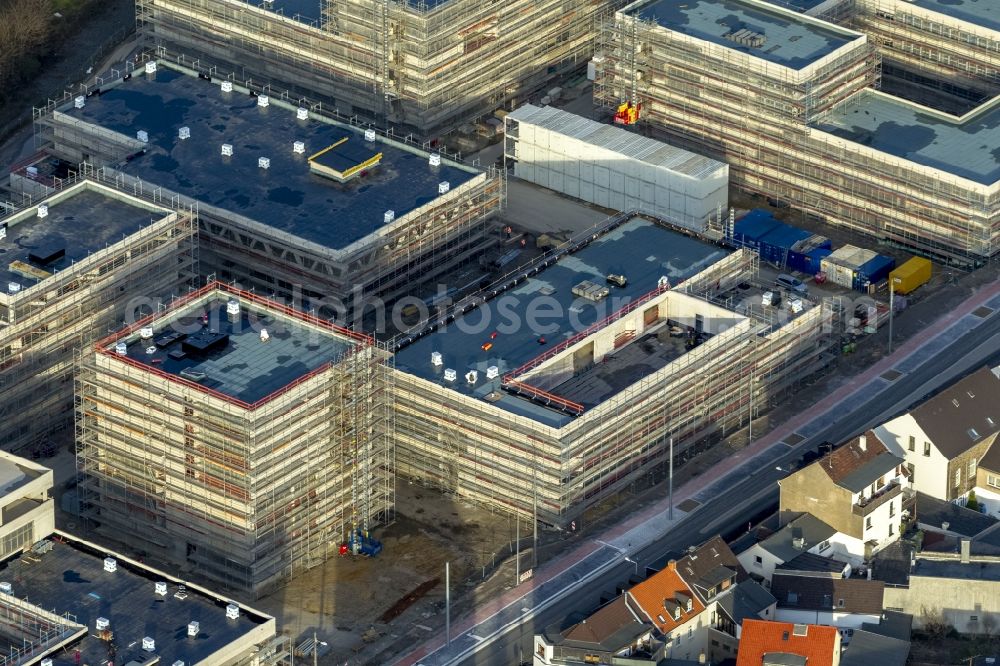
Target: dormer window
689, 605
677, 613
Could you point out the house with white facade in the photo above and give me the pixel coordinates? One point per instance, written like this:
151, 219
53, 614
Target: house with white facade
988, 481
861, 489
944, 438
804, 534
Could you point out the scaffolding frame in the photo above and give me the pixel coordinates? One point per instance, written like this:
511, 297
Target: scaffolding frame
417, 247
469, 447
756, 116
42, 326
246, 495
423, 68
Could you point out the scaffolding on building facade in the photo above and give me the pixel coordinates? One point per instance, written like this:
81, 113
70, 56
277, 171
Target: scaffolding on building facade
422, 244
418, 66
247, 494
42, 326
756, 116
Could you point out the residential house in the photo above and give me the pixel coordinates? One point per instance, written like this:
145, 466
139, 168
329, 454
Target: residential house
805, 534
945, 524
884, 644
860, 489
808, 564
749, 600
784, 644
944, 438
666, 616
617, 629
959, 589
845, 603
676, 612
988, 481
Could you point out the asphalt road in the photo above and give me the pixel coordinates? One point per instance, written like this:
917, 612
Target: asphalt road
757, 490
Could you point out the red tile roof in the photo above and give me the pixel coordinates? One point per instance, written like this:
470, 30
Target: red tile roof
817, 644
660, 593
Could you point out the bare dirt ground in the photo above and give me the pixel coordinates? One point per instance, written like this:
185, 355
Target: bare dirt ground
350, 601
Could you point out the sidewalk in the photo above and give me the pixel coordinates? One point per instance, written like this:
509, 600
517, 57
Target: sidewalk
607, 549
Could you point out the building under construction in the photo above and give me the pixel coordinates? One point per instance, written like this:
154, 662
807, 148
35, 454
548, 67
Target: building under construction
292, 203
424, 66
76, 264
565, 384
787, 100
241, 439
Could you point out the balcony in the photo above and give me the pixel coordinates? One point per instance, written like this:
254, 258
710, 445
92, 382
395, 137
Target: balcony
891, 491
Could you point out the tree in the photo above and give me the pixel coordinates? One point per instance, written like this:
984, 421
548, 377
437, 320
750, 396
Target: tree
25, 28
971, 502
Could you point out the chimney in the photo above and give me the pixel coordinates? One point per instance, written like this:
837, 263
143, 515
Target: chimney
945, 525
672, 565
965, 550
863, 443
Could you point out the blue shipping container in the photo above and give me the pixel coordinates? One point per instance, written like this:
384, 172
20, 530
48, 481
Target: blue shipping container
873, 271
779, 243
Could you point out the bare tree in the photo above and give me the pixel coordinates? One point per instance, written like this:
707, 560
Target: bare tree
25, 29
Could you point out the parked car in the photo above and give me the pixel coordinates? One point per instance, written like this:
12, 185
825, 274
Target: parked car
792, 284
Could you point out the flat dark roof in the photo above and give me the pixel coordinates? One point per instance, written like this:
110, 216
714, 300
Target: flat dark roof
791, 41
79, 225
968, 148
285, 196
307, 11
230, 357
71, 579
639, 249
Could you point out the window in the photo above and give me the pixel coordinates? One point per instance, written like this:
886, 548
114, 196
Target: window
912, 471
927, 449
824, 545
992, 480
880, 483
868, 523
913, 443
840, 603
892, 509
758, 560
973, 618
958, 477
715, 643
972, 468
892, 529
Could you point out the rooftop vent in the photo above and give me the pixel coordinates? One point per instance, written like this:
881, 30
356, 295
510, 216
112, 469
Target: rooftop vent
434, 159
492, 372
302, 113
121, 348
798, 543
591, 291
450, 375
193, 628
46, 662
146, 332
160, 588
227, 86
800, 630
184, 133
227, 150
142, 135
863, 443
14, 287
102, 623
663, 282
80, 101
264, 162
43, 210
369, 135
945, 525
233, 310
110, 564
972, 433
151, 349
151, 67
5, 588
436, 358
264, 335
299, 147
263, 101
443, 187
178, 663
148, 644
472, 376
232, 611
389, 216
